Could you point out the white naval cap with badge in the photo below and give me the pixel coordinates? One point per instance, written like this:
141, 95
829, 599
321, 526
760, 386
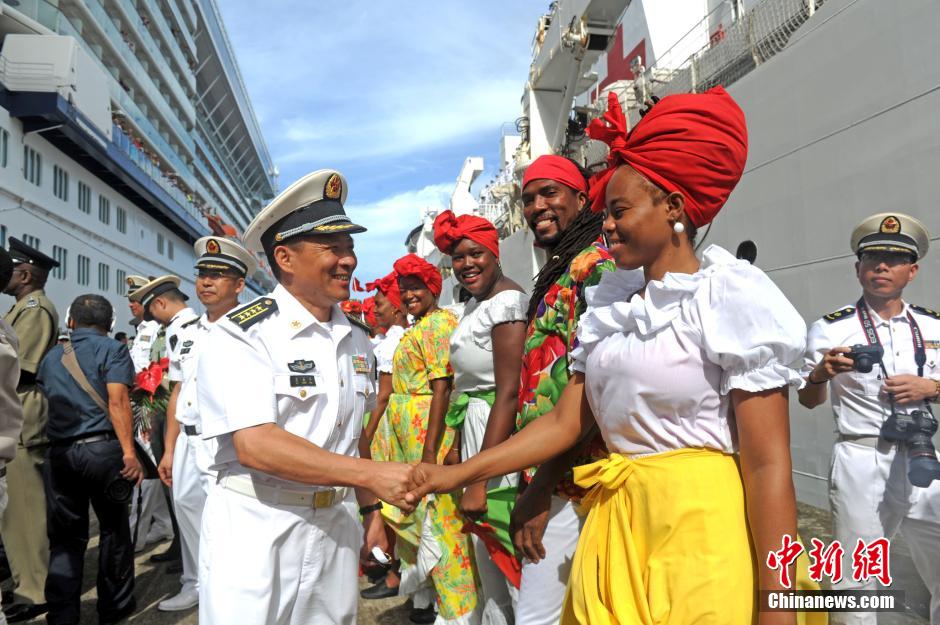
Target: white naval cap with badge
891, 232
221, 254
312, 205
145, 294
134, 282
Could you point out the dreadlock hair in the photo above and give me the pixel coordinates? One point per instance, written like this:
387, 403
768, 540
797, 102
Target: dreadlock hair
582, 232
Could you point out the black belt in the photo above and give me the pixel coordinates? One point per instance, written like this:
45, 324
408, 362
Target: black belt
191, 430
94, 438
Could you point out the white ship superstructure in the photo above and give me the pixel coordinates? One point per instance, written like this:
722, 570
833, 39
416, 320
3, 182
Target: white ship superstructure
126, 133
840, 98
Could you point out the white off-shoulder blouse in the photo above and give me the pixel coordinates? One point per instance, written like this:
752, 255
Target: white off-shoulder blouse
659, 366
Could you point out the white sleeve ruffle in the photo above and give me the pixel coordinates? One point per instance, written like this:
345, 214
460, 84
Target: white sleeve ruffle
504, 307
749, 328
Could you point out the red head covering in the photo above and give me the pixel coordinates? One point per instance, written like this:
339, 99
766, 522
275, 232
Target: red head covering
414, 265
387, 286
351, 307
368, 312
557, 168
692, 143
449, 230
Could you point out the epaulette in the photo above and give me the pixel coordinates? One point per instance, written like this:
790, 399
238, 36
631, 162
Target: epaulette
925, 311
360, 324
189, 323
253, 312
839, 314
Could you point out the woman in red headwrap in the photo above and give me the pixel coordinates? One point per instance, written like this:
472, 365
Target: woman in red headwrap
684, 366
486, 355
429, 540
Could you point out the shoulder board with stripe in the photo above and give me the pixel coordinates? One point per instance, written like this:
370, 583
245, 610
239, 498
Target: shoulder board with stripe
253, 312
189, 323
358, 323
926, 311
840, 314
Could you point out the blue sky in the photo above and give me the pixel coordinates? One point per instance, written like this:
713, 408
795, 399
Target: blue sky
395, 99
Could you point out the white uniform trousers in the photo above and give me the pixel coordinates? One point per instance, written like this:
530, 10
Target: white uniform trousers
271, 564
192, 480
498, 596
871, 498
544, 583
3, 507
154, 512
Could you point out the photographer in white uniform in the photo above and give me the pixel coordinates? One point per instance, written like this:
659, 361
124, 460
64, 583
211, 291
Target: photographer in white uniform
283, 385
881, 358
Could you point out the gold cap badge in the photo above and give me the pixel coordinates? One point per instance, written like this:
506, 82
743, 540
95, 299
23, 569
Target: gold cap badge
890, 225
212, 246
334, 187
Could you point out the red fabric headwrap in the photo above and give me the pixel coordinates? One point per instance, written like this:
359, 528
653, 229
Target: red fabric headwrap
557, 168
450, 229
368, 312
694, 143
388, 286
414, 265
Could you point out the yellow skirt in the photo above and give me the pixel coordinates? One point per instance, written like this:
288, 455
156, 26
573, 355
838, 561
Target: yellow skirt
666, 542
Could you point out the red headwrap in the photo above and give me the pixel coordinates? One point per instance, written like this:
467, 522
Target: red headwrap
351, 307
368, 312
387, 286
557, 168
450, 229
414, 265
695, 144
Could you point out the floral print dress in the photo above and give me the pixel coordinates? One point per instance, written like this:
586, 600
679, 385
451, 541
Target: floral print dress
424, 355
550, 338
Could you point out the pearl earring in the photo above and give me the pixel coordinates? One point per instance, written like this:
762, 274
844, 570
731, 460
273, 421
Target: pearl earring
678, 227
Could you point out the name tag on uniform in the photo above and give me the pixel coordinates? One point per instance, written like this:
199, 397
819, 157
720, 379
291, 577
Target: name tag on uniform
360, 364
303, 380
187, 347
144, 337
931, 344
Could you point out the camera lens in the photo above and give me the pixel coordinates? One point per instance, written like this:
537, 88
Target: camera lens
119, 490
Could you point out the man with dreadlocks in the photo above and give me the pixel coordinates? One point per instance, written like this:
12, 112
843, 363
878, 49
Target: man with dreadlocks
545, 524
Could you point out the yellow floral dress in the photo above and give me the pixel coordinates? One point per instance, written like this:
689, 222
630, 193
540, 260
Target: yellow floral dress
424, 355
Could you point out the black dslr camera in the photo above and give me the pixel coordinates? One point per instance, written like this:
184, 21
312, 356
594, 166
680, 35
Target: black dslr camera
865, 357
916, 430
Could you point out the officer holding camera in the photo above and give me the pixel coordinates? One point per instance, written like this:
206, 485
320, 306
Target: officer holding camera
881, 358
91, 460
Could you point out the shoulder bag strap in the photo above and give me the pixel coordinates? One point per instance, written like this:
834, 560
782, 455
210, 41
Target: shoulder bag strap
70, 362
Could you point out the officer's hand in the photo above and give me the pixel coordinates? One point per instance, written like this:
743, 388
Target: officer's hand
434, 478
473, 501
909, 389
132, 471
390, 482
375, 534
832, 364
165, 468
528, 521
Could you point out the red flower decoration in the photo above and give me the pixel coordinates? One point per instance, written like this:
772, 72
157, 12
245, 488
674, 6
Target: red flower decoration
149, 379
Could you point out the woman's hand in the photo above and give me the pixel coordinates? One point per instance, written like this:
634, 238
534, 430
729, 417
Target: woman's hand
473, 501
529, 518
434, 478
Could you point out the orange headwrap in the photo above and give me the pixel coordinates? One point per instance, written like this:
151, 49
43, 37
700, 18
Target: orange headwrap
449, 230
387, 286
694, 144
414, 265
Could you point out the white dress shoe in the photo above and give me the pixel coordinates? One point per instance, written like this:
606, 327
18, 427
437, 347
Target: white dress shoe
186, 599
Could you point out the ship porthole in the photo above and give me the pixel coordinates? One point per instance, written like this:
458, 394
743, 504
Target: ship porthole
747, 250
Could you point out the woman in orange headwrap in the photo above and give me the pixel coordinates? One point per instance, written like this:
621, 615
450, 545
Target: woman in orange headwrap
684, 365
429, 540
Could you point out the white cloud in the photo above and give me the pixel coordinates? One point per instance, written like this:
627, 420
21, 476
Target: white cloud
389, 221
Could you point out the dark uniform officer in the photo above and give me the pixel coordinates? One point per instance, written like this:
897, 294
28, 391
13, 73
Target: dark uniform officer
91, 453
35, 322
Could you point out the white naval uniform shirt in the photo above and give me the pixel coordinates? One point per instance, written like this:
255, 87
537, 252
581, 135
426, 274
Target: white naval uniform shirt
858, 402
312, 379
147, 332
192, 337
174, 341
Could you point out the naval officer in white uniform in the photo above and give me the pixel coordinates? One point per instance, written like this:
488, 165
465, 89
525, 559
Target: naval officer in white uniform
221, 268
146, 331
283, 385
869, 489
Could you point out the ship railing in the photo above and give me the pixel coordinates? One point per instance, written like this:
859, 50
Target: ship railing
505, 216
725, 46
41, 11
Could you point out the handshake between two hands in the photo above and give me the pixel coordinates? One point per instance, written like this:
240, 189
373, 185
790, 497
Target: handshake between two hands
405, 485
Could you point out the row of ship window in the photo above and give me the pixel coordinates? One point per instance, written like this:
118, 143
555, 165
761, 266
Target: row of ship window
83, 277
32, 171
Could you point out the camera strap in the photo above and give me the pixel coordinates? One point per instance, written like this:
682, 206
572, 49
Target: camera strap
871, 335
